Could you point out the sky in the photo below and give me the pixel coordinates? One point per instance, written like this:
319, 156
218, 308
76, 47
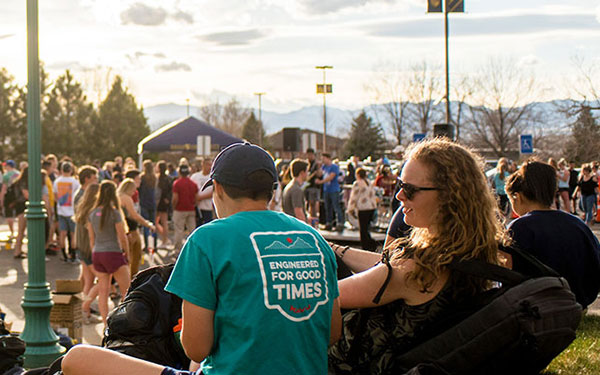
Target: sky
168, 51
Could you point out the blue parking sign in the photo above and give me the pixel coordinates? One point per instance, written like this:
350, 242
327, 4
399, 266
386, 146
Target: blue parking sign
526, 144
418, 137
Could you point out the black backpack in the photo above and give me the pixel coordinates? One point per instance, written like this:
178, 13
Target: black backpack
12, 349
518, 327
142, 325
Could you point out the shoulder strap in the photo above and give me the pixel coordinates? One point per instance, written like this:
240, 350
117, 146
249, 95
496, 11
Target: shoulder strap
385, 259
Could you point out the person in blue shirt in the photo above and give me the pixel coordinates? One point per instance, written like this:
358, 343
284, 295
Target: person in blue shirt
259, 287
331, 193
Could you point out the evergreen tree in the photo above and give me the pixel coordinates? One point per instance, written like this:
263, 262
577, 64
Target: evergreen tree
583, 145
10, 132
253, 131
67, 120
366, 138
121, 123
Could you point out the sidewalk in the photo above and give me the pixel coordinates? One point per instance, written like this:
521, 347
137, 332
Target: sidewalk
13, 276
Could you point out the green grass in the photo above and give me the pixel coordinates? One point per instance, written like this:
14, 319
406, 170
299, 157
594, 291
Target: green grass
582, 357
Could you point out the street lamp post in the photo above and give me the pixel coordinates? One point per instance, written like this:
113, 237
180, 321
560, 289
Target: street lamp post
260, 128
42, 343
324, 89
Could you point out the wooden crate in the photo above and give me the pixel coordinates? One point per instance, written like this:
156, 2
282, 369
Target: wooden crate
72, 329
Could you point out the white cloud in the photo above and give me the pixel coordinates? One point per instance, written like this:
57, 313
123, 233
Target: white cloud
141, 14
598, 13
173, 67
233, 38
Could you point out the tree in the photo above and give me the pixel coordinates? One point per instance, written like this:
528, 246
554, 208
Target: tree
389, 87
366, 138
423, 87
229, 117
67, 119
253, 131
503, 106
13, 136
584, 142
121, 124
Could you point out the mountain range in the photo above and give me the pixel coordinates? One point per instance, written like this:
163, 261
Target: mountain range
338, 120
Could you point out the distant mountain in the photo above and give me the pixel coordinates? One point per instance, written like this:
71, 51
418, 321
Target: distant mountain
339, 120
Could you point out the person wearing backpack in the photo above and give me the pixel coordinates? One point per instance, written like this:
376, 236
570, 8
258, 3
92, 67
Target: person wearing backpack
259, 288
558, 239
398, 297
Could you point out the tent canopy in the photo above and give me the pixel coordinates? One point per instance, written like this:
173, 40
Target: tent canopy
182, 135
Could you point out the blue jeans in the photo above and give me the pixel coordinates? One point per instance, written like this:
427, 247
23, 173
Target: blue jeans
332, 202
150, 215
588, 207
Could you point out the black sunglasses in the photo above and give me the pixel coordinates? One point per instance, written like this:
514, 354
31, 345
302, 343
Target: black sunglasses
410, 190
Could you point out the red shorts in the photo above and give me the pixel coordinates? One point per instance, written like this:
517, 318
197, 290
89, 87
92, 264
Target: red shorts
108, 262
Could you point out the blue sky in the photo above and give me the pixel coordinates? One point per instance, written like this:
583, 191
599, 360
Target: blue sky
206, 50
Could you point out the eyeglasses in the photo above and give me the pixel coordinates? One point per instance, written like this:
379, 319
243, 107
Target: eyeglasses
410, 190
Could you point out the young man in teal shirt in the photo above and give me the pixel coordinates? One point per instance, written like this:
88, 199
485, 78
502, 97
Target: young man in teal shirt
259, 288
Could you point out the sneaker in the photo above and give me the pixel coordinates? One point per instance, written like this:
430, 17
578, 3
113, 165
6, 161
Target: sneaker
328, 227
91, 319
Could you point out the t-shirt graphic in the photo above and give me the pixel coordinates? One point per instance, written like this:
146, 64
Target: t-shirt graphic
65, 194
293, 272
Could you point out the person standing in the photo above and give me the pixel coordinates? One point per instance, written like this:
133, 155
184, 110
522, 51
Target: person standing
573, 176
110, 249
184, 205
205, 205
312, 193
147, 192
293, 196
587, 186
163, 206
363, 203
8, 178
64, 188
331, 193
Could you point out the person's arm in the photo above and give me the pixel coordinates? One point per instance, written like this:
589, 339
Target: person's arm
2, 194
357, 260
122, 237
90, 234
127, 204
197, 331
327, 178
175, 199
299, 214
206, 194
358, 291
336, 322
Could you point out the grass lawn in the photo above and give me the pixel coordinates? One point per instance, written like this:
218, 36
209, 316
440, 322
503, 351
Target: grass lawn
582, 357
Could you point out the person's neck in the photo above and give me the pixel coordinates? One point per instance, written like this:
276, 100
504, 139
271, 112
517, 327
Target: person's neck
534, 206
244, 204
299, 180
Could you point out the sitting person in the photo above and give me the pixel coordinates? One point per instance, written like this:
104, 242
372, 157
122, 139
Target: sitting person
558, 239
258, 287
454, 216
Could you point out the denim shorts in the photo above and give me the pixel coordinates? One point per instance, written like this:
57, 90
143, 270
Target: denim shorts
66, 224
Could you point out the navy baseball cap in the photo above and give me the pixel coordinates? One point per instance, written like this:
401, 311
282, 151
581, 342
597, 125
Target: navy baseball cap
11, 163
236, 162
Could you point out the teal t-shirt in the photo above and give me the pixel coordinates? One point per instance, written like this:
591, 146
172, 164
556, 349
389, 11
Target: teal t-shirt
500, 183
271, 281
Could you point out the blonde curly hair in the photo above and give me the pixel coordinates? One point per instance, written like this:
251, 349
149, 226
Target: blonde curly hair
468, 224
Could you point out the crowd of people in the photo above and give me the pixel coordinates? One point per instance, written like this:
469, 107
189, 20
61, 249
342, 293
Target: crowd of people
259, 287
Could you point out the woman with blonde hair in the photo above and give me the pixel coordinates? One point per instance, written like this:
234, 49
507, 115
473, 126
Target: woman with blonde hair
454, 217
108, 239
563, 175
82, 238
134, 219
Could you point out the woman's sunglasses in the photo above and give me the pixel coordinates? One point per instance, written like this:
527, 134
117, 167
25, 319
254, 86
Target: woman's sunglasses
410, 190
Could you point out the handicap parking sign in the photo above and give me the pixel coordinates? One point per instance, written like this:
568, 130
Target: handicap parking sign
526, 144
418, 137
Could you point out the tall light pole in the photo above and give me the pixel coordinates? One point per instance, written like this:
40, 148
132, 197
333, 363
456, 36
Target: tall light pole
449, 6
42, 343
324, 89
260, 128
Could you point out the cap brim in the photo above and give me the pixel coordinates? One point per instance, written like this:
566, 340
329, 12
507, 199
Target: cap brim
207, 184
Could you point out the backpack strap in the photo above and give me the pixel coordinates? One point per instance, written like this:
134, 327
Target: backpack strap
385, 259
484, 270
